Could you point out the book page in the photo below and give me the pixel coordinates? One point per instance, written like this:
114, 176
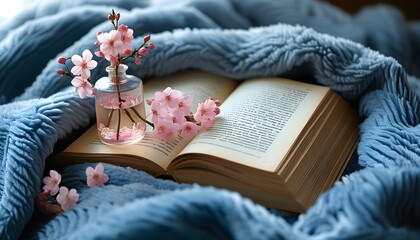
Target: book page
259, 122
196, 83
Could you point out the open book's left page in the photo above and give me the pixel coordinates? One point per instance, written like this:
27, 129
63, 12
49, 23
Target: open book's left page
196, 83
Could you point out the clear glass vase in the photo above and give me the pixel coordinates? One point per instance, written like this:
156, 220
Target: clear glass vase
119, 106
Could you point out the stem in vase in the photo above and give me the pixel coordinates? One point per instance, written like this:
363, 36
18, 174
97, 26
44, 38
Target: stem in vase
120, 102
138, 115
110, 117
129, 115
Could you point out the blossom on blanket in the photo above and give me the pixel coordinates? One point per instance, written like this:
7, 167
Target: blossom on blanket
52, 182
67, 199
96, 176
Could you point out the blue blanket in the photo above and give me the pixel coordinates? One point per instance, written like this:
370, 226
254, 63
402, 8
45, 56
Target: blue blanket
371, 58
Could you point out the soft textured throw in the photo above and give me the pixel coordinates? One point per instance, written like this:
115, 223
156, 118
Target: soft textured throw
371, 58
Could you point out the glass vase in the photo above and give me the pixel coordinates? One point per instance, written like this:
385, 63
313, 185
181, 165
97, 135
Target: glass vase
119, 106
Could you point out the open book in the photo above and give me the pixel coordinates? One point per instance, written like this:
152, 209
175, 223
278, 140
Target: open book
279, 142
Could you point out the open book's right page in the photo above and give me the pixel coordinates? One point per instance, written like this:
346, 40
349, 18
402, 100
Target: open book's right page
259, 122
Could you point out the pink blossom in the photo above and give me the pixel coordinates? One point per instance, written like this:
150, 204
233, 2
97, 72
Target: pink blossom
83, 87
169, 97
156, 111
206, 123
185, 104
111, 43
137, 60
206, 109
126, 35
177, 116
84, 64
67, 199
51, 182
189, 130
166, 130
96, 177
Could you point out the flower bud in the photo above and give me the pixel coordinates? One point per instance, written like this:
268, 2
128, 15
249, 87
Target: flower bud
99, 54
61, 72
117, 16
137, 60
217, 111
62, 60
150, 45
146, 38
218, 103
143, 51
111, 17
127, 51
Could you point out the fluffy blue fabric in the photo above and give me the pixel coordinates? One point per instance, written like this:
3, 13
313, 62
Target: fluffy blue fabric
238, 39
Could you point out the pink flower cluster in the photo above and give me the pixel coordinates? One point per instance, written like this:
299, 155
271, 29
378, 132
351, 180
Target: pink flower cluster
80, 72
66, 198
171, 115
115, 46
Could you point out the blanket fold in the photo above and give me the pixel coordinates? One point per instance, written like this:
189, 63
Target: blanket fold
371, 64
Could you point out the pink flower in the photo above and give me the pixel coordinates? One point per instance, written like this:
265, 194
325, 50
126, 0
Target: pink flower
126, 35
111, 43
206, 109
189, 130
185, 105
83, 87
67, 199
169, 97
206, 123
52, 182
166, 130
84, 64
177, 117
96, 177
